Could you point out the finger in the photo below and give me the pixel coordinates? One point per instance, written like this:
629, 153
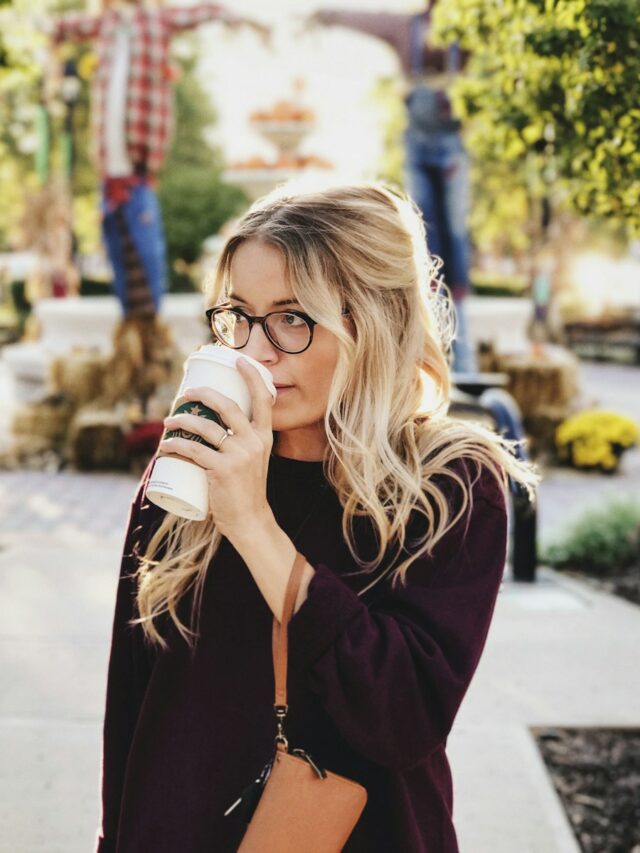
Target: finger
228, 410
192, 451
195, 428
262, 398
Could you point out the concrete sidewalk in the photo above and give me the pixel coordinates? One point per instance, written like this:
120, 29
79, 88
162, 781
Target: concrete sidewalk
558, 654
56, 606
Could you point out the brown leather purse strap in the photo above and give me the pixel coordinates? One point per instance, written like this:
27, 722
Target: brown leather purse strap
279, 636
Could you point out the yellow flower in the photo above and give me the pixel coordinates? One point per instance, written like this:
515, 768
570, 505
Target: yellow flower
588, 438
87, 65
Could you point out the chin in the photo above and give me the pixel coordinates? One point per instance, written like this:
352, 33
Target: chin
297, 418
286, 421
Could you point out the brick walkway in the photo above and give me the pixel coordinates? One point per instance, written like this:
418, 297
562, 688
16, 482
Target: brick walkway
64, 503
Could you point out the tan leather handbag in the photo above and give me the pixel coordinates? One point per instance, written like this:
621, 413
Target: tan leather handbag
295, 805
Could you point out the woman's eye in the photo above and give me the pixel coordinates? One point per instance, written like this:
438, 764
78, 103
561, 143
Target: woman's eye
292, 320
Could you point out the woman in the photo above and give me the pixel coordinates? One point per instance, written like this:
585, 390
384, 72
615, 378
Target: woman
399, 512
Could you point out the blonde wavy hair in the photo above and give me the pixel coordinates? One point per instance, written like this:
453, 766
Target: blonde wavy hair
363, 248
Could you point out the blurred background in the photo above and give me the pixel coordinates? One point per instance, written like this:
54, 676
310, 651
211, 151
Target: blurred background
514, 125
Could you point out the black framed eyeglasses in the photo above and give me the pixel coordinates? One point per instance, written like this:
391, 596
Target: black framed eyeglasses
290, 331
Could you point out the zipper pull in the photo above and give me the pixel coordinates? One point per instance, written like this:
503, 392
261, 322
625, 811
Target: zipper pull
322, 773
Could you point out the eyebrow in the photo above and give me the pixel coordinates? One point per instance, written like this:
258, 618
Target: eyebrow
277, 303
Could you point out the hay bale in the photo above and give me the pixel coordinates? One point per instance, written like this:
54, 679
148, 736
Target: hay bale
144, 358
487, 357
539, 382
541, 427
78, 375
47, 420
96, 440
32, 453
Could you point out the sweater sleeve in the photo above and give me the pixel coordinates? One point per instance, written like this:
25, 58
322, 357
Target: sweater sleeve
130, 665
392, 675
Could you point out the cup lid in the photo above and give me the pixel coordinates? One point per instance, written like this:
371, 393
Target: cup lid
228, 357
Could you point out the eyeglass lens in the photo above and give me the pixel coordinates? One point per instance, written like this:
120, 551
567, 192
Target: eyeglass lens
286, 330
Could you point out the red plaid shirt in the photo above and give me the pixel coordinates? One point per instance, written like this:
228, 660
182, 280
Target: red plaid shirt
149, 109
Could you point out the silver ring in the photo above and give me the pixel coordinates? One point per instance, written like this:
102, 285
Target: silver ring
219, 444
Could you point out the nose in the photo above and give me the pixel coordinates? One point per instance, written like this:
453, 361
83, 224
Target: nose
259, 346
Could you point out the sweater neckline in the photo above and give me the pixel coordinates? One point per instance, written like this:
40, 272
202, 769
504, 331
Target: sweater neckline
297, 467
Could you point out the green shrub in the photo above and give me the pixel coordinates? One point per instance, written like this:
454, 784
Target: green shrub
94, 287
603, 542
195, 204
496, 284
195, 201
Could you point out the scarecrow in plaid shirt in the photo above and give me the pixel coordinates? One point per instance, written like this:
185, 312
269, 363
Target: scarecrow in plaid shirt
132, 124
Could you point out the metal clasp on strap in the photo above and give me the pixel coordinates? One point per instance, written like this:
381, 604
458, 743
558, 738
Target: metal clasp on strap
281, 713
322, 773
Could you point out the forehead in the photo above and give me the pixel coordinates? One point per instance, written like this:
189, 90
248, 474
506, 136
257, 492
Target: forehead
253, 257
257, 272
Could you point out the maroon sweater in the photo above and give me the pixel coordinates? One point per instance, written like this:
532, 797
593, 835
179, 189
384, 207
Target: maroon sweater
375, 681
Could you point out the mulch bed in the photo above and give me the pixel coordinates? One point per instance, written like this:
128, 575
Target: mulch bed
625, 583
597, 775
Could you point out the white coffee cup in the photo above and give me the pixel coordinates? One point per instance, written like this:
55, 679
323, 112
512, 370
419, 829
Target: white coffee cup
178, 485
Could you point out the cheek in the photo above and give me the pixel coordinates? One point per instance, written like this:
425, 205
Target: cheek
317, 371
313, 373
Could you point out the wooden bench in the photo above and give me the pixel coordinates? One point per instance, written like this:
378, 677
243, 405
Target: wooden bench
597, 339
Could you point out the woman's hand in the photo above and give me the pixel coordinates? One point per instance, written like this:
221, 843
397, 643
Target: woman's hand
237, 472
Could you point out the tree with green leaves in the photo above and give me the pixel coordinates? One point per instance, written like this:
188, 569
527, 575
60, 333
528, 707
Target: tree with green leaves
195, 200
550, 98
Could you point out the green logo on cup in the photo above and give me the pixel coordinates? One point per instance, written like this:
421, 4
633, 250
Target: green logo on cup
200, 410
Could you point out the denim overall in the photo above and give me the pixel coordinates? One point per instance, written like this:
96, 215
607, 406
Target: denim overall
437, 178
